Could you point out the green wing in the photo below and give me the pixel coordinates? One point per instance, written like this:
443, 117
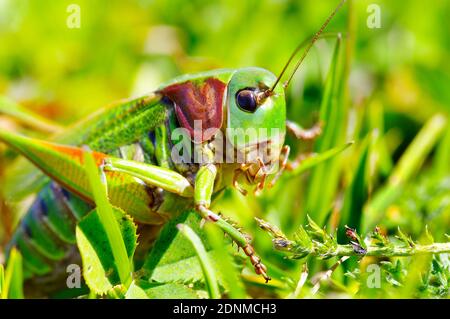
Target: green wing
119, 124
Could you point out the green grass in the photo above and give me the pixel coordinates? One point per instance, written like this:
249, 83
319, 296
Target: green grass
106, 216
208, 271
11, 279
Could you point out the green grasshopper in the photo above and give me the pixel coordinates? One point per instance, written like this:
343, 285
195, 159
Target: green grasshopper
162, 154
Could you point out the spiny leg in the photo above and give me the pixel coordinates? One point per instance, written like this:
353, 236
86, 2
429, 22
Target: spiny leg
237, 173
152, 175
305, 135
302, 133
204, 185
262, 174
55, 158
284, 158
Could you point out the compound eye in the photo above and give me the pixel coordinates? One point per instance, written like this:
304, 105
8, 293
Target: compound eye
246, 100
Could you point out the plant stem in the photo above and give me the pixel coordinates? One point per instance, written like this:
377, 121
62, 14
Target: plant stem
316, 242
437, 248
387, 251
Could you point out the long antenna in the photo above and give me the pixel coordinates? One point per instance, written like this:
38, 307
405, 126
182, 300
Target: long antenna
308, 48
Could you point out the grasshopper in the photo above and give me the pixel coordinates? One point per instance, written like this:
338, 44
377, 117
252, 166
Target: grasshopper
162, 154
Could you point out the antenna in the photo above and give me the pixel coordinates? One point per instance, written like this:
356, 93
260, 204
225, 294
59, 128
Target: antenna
310, 42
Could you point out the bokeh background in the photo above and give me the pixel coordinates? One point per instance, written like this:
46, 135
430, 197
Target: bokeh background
394, 102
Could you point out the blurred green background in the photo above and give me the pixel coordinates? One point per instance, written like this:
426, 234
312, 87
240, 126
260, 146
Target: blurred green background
394, 80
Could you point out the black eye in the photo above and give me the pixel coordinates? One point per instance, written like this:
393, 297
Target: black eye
246, 100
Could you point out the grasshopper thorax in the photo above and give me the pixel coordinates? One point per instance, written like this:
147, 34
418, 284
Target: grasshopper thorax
231, 112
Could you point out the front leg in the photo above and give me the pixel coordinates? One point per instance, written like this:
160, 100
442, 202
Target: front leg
203, 189
151, 175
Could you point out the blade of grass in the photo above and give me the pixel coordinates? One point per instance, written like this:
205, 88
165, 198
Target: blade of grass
105, 213
442, 159
228, 269
100, 271
324, 178
356, 193
409, 164
417, 152
2, 280
301, 282
317, 159
381, 160
208, 270
355, 196
12, 286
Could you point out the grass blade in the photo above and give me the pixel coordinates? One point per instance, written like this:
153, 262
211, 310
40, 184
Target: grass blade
357, 192
409, 164
230, 274
318, 159
12, 286
2, 280
208, 270
442, 159
333, 114
417, 152
105, 213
